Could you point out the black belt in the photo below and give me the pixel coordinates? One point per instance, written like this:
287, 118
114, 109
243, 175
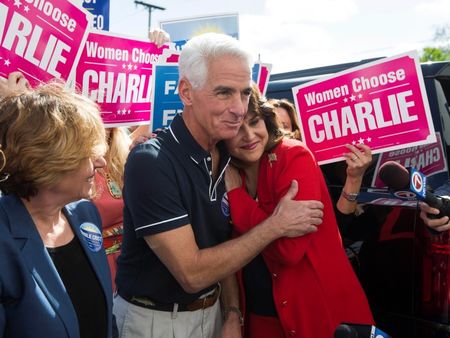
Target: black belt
199, 303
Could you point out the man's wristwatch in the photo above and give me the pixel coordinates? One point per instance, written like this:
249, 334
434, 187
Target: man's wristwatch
226, 311
351, 197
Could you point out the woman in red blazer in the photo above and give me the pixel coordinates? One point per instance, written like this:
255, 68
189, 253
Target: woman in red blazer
304, 286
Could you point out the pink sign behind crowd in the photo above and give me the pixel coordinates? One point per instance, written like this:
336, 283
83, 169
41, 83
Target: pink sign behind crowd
41, 39
264, 75
382, 104
116, 73
428, 159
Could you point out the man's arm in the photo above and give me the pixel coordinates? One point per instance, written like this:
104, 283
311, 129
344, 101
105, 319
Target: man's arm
196, 269
230, 308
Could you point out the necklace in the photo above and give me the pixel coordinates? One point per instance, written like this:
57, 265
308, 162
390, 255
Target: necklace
113, 187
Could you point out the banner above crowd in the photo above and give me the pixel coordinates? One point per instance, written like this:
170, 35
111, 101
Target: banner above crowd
116, 72
382, 104
42, 39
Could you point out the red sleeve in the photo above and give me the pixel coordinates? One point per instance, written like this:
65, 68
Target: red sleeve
292, 163
245, 211
299, 164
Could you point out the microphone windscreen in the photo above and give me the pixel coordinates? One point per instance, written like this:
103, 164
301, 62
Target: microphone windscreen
345, 331
394, 175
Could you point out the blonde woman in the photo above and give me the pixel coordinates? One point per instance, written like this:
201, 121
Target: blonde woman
54, 276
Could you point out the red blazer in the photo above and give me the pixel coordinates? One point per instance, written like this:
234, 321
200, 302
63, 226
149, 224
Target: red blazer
314, 286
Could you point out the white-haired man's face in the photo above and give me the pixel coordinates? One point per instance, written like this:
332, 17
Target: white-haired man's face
219, 106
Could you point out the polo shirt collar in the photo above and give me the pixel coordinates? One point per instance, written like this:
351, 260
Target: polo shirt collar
183, 136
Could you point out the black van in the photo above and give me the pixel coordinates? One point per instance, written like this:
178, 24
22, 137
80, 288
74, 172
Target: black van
403, 267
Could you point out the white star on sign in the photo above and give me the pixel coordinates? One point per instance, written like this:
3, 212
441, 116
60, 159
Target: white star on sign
354, 142
7, 62
130, 66
124, 66
361, 141
135, 67
129, 111
17, 3
359, 96
353, 98
369, 139
345, 100
118, 111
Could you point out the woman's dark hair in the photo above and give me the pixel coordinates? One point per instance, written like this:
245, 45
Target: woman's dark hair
259, 105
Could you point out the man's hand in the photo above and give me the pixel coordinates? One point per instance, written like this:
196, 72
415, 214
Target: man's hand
16, 82
297, 218
438, 224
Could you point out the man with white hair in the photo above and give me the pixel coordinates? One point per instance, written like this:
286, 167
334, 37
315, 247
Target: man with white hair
177, 255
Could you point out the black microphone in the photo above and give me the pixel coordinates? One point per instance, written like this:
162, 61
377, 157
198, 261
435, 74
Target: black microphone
397, 177
359, 331
394, 175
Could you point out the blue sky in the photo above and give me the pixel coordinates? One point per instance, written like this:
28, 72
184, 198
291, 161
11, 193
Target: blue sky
298, 34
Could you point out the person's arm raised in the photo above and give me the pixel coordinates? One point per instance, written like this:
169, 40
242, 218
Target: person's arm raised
358, 160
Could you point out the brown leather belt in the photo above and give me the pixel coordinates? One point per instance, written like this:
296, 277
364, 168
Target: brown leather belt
199, 303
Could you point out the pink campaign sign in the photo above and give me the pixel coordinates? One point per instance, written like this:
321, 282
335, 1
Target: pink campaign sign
43, 39
116, 73
264, 76
382, 104
428, 159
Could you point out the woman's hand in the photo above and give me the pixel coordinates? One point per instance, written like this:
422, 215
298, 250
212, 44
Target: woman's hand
358, 160
138, 140
232, 178
16, 82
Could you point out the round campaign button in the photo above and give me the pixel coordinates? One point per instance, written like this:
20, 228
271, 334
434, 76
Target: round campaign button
92, 236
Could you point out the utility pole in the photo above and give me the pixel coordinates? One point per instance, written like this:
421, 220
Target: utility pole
150, 8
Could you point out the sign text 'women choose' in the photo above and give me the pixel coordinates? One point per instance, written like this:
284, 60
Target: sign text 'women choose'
382, 104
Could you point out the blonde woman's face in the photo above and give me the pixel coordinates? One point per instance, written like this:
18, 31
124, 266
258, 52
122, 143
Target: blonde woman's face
78, 183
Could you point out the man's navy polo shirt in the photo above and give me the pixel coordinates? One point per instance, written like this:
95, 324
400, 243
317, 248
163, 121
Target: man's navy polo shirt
168, 184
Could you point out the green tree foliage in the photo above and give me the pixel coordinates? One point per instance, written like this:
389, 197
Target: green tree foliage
434, 54
440, 52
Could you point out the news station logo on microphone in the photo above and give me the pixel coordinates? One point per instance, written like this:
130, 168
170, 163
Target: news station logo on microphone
396, 176
418, 183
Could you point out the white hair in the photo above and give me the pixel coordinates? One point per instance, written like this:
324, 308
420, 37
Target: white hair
200, 50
